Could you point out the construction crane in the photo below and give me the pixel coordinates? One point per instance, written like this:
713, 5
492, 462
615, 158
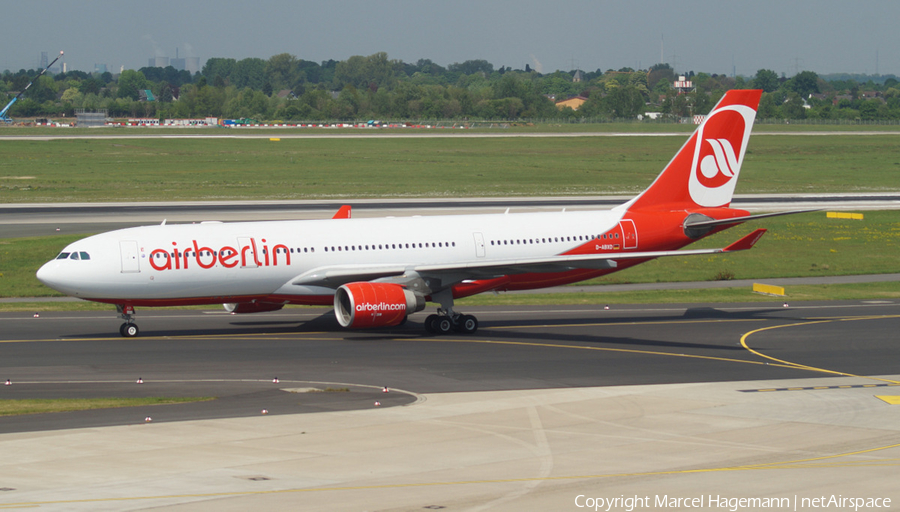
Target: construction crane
3, 113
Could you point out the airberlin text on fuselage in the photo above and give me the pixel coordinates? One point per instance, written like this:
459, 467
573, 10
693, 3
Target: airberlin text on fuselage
226, 256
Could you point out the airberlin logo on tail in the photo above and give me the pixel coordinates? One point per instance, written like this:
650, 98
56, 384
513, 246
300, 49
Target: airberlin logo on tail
719, 165
718, 153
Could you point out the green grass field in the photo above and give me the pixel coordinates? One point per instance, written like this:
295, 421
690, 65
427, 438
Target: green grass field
19, 260
237, 169
38, 406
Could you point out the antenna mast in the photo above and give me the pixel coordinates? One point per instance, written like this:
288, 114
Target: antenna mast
3, 113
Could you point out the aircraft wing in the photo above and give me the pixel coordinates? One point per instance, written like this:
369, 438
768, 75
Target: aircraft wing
335, 276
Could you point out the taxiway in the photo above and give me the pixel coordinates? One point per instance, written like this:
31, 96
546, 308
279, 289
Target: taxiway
541, 407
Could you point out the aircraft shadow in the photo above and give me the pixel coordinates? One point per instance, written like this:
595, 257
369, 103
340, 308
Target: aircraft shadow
517, 330
565, 332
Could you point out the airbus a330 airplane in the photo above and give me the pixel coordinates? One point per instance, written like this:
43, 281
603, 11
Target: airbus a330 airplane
376, 272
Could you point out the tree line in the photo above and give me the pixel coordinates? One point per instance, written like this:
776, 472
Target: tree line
287, 88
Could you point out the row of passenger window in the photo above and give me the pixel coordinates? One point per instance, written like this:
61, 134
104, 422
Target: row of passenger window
382, 247
550, 240
81, 255
333, 248
193, 254
412, 245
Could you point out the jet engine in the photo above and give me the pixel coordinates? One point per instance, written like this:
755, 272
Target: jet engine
363, 305
251, 307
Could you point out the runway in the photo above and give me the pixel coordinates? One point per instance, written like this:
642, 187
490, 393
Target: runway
541, 406
26, 220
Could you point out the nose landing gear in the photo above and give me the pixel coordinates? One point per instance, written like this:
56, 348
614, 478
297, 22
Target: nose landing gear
129, 329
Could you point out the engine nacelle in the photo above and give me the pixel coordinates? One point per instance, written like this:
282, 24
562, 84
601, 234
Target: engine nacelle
363, 305
251, 307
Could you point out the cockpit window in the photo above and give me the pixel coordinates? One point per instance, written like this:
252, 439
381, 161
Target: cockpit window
80, 255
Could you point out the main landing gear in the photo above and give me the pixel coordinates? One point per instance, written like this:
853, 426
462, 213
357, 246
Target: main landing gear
129, 329
446, 320
443, 323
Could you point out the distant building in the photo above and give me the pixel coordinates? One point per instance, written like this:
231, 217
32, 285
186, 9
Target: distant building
158, 62
87, 119
573, 103
190, 64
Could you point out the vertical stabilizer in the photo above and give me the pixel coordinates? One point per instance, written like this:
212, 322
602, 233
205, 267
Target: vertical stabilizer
705, 170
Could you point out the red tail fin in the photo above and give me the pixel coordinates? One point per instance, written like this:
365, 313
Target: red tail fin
705, 170
343, 213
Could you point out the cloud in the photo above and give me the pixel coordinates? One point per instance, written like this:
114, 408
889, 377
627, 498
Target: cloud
537, 64
157, 51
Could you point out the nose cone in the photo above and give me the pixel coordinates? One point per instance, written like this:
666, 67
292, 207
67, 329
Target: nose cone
48, 274
63, 277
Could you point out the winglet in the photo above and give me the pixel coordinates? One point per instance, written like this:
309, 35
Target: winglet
746, 242
343, 213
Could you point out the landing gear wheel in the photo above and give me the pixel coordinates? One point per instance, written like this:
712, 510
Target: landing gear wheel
429, 324
468, 324
126, 312
129, 330
442, 325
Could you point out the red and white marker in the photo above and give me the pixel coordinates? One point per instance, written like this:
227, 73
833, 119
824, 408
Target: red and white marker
140, 380
265, 411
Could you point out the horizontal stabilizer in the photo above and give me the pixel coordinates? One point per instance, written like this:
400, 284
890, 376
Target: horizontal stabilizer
746, 242
738, 220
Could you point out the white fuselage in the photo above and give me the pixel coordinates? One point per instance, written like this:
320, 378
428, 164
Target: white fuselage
223, 262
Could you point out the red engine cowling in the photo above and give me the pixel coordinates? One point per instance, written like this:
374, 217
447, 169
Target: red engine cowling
363, 305
251, 307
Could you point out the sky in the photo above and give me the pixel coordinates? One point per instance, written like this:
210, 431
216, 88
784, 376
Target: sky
721, 36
